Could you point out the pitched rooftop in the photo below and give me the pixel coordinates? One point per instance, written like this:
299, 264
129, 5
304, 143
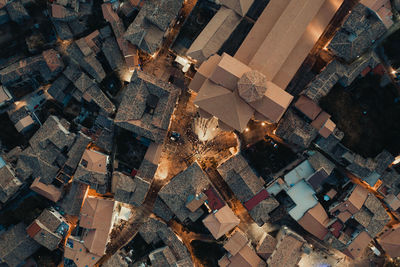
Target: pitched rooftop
9, 184
221, 222
357, 34
223, 81
131, 190
92, 170
48, 229
48, 65
147, 106
288, 250
96, 216
181, 188
153, 230
216, 32
241, 178
390, 241
294, 25
16, 245
149, 26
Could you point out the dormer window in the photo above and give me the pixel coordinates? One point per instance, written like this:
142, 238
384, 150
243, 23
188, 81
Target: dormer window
84, 163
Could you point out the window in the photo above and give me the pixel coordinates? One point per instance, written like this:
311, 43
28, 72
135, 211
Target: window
84, 163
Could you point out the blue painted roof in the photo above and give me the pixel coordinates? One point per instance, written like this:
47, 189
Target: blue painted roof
2, 163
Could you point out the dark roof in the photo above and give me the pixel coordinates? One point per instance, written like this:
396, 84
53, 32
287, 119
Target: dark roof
63, 30
317, 179
89, 63
16, 245
295, 130
31, 165
363, 167
58, 87
44, 236
17, 12
76, 151
147, 30
16, 115
161, 210
51, 140
132, 114
9, 184
154, 230
72, 202
98, 97
241, 178
266, 246
391, 179
96, 181
162, 257
260, 212
318, 161
336, 71
380, 217
48, 65
357, 34
131, 190
176, 193
113, 54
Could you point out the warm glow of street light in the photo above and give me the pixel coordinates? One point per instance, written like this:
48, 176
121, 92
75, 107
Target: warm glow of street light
153, 56
162, 171
126, 76
263, 124
246, 130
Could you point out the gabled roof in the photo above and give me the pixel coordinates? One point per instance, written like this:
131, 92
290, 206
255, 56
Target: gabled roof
77, 252
213, 36
274, 102
390, 241
96, 215
266, 246
229, 71
221, 222
204, 72
295, 26
288, 252
315, 221
307, 107
49, 191
246, 257
358, 196
239, 6
236, 242
359, 244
